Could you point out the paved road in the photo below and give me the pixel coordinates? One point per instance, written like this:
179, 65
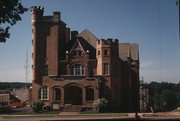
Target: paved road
85, 118
72, 116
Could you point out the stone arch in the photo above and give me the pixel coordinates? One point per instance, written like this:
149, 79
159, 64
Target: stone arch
72, 84
70, 66
75, 62
73, 94
55, 85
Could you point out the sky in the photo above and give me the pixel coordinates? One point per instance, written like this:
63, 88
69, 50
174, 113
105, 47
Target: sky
153, 24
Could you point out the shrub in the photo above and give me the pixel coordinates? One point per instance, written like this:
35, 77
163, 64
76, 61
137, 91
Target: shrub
100, 105
37, 106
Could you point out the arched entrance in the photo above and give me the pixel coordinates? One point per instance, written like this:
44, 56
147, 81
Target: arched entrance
73, 95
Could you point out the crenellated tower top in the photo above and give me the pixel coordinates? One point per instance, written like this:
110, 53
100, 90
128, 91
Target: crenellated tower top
37, 12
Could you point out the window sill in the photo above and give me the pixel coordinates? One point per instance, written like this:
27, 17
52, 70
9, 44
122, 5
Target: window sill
44, 99
89, 101
106, 75
73, 75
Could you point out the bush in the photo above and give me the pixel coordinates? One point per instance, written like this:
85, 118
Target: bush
100, 105
37, 106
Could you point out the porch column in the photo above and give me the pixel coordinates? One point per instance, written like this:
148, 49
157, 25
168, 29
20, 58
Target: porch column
96, 93
62, 96
50, 96
84, 96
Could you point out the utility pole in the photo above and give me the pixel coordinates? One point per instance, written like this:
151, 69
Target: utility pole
177, 3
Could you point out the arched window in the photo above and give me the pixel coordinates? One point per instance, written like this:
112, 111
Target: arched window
43, 93
57, 94
89, 94
77, 69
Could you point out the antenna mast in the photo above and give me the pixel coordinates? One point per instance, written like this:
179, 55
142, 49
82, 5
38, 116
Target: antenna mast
26, 67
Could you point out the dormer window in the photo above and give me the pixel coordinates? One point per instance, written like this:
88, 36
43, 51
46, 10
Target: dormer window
77, 70
77, 53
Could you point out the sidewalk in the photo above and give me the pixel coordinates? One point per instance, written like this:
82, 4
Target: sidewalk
76, 116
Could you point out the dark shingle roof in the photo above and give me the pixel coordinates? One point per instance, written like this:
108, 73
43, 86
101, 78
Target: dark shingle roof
89, 37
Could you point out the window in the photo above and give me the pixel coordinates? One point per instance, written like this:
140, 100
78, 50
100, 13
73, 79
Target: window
98, 41
106, 68
89, 94
43, 93
57, 94
113, 53
78, 69
98, 52
105, 52
74, 53
79, 53
44, 70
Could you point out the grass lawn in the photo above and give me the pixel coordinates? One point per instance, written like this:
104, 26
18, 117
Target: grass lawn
104, 114
34, 113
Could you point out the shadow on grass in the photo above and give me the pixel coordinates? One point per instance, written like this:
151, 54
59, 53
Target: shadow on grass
26, 111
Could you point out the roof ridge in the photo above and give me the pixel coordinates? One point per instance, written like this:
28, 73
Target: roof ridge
86, 30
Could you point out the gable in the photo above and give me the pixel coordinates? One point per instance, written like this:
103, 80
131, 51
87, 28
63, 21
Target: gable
77, 46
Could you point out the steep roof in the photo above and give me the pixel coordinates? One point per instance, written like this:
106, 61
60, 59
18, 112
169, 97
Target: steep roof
85, 46
127, 50
89, 37
77, 42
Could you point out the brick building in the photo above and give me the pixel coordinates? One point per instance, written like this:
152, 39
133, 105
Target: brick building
72, 69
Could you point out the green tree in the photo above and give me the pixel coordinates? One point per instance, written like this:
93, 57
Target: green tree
158, 93
169, 100
10, 11
37, 106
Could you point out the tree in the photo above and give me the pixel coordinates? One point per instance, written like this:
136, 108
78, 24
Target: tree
100, 105
169, 99
37, 106
10, 11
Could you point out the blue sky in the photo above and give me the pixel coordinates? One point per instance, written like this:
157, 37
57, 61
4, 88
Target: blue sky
153, 24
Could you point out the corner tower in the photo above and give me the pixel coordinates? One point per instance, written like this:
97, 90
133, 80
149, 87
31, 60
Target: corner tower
37, 14
106, 52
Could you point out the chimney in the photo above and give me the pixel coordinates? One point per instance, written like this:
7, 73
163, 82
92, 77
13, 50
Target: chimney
74, 34
67, 34
56, 16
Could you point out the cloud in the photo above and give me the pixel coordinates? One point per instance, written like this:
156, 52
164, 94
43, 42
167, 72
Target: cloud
146, 64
